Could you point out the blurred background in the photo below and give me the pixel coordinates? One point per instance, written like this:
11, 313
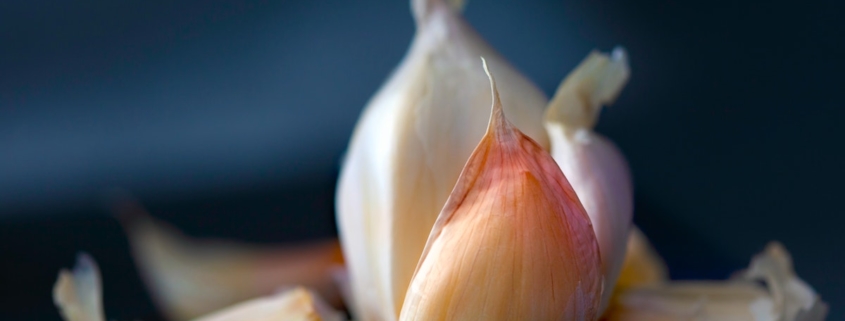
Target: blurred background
228, 119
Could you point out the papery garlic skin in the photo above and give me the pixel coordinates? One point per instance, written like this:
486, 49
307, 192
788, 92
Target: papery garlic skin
512, 242
192, 277
784, 297
409, 147
79, 297
79, 294
595, 167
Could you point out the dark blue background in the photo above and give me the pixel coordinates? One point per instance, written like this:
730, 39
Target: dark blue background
228, 118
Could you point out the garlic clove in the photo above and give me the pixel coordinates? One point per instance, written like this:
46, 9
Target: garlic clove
512, 242
79, 294
410, 145
592, 163
297, 304
189, 277
768, 291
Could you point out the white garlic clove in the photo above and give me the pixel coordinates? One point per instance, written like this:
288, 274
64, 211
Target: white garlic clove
592, 163
410, 145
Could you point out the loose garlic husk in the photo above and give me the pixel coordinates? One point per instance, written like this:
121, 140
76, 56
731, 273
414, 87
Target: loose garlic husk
769, 290
595, 167
192, 277
409, 147
512, 243
79, 297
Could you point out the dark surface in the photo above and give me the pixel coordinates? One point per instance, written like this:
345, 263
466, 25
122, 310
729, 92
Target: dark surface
228, 119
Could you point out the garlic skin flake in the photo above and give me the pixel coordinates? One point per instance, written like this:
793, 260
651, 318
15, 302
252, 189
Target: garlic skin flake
410, 145
79, 297
79, 294
512, 243
769, 290
191, 277
592, 163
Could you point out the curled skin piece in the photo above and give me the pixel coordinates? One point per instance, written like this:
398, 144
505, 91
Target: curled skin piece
188, 278
410, 145
768, 291
592, 163
512, 243
79, 294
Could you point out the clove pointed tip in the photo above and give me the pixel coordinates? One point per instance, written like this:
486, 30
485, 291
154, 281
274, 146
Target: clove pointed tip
497, 115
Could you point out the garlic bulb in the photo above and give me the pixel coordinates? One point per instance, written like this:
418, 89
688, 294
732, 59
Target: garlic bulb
512, 242
409, 147
79, 294
595, 167
768, 291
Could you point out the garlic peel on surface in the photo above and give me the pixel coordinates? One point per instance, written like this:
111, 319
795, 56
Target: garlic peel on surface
409, 147
79, 297
512, 242
768, 290
79, 294
192, 277
594, 166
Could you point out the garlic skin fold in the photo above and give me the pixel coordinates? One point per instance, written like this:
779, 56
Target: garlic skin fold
594, 166
512, 242
409, 147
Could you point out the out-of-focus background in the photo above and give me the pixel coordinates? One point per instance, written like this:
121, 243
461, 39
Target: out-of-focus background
229, 118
